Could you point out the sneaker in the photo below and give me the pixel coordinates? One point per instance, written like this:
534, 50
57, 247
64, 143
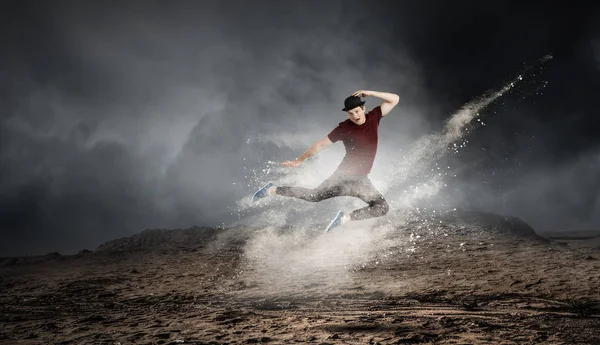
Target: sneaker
262, 192
337, 221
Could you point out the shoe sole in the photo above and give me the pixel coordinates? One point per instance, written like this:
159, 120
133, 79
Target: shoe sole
254, 198
328, 228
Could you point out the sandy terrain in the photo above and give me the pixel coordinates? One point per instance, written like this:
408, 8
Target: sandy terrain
460, 278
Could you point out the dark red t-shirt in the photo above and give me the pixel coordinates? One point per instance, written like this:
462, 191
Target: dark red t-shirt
360, 143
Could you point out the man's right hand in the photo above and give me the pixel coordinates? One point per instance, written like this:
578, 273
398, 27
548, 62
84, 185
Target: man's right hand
291, 164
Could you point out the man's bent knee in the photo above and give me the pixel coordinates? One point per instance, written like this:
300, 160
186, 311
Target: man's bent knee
381, 206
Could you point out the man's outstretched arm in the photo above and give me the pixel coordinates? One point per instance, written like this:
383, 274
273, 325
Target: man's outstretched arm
313, 150
390, 100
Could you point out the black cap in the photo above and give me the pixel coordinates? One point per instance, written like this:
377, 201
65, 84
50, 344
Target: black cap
352, 102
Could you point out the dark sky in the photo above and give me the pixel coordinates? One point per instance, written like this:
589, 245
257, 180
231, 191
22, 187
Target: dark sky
121, 116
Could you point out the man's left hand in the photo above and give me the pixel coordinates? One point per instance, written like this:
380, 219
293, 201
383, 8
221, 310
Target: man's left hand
362, 93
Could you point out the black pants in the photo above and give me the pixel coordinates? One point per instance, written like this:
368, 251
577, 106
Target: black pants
343, 185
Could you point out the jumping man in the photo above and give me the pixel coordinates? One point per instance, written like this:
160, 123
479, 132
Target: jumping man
359, 133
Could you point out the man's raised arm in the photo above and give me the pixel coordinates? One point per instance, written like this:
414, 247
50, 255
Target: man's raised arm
390, 100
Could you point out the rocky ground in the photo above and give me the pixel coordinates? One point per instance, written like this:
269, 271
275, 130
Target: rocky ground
458, 278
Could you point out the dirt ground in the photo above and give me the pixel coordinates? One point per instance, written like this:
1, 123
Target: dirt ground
460, 278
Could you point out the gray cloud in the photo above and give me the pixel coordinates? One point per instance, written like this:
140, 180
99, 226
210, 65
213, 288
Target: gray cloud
552, 197
148, 116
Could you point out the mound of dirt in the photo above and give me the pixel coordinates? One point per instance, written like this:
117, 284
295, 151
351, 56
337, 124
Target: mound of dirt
191, 238
458, 222
462, 222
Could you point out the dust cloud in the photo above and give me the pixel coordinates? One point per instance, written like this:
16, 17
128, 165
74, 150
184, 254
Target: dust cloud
304, 254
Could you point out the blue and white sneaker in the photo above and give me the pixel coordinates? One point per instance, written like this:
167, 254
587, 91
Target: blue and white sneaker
262, 192
337, 221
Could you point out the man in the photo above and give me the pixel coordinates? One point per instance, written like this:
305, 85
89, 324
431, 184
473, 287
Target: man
359, 133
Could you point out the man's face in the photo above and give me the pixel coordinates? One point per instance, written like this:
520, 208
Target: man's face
357, 115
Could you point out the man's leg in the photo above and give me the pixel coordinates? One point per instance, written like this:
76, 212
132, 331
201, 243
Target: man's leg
377, 206
360, 187
329, 188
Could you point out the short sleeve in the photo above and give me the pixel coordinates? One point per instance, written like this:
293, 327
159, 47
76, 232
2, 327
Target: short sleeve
376, 112
336, 134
